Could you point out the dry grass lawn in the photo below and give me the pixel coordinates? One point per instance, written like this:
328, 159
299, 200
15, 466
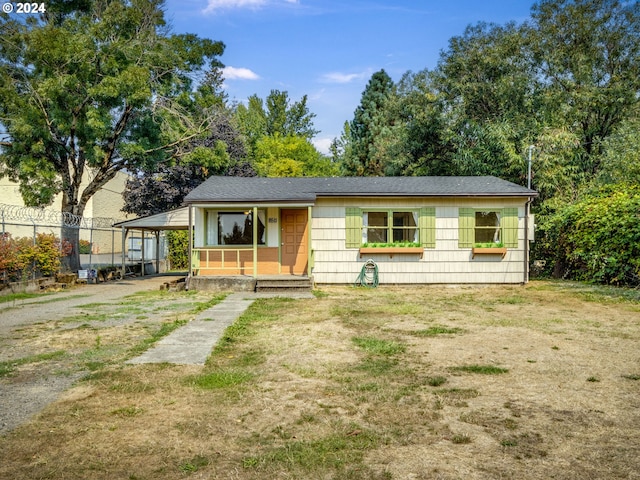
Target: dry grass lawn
532, 382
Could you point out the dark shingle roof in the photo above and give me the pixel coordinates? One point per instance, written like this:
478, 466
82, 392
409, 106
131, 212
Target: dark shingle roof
307, 189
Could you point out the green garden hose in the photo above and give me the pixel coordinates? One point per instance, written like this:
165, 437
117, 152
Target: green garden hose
368, 275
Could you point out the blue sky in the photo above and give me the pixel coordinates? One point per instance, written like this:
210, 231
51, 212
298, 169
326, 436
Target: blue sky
328, 49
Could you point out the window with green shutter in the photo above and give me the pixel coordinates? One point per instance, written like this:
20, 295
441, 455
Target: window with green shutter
486, 227
390, 226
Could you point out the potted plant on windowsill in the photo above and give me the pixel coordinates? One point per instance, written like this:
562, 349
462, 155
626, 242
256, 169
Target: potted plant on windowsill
492, 248
391, 248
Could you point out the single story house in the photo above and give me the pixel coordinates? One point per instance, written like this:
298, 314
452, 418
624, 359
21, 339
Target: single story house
418, 230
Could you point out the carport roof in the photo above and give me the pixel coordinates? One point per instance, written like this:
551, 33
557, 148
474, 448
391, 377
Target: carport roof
177, 219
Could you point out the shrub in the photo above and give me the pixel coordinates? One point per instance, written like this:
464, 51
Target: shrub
596, 239
20, 257
178, 249
85, 247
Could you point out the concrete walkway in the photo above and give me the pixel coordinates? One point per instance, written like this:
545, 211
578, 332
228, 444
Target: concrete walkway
192, 343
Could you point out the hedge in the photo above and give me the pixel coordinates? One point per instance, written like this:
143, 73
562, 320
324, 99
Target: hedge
597, 239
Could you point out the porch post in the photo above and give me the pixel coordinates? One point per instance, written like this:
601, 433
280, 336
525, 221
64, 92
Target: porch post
255, 241
157, 232
142, 232
124, 238
190, 235
309, 250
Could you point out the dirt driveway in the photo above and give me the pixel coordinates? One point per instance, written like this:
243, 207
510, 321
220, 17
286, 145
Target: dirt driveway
24, 395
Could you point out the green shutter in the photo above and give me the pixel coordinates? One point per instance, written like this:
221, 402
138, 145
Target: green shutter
353, 223
466, 227
427, 224
509, 224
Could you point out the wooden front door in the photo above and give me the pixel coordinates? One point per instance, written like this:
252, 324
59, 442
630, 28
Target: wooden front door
295, 241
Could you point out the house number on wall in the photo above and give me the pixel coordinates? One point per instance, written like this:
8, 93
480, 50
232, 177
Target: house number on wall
273, 220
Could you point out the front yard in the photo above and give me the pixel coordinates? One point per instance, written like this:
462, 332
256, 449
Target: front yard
532, 382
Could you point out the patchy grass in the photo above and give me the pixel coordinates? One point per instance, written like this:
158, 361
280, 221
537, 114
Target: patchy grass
376, 346
16, 297
481, 369
220, 379
370, 384
437, 330
8, 367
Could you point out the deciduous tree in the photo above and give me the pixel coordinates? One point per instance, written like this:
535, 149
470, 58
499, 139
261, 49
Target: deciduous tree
88, 91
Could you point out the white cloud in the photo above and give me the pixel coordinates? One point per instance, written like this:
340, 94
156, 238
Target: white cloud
233, 73
323, 144
217, 5
338, 77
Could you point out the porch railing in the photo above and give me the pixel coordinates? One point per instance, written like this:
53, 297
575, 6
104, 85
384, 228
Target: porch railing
218, 258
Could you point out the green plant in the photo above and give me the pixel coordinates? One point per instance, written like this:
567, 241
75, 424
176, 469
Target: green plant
84, 247
434, 331
178, 241
489, 245
461, 439
221, 379
377, 346
481, 369
436, 381
194, 464
596, 239
391, 244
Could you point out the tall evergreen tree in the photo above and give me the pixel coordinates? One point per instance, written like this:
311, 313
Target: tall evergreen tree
368, 121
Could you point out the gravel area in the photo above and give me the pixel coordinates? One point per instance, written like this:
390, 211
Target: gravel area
29, 392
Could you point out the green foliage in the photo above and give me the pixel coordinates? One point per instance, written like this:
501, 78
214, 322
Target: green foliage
178, 249
596, 239
277, 117
393, 244
621, 157
85, 247
90, 92
20, 258
369, 121
291, 156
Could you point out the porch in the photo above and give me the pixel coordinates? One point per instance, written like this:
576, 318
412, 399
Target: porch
250, 241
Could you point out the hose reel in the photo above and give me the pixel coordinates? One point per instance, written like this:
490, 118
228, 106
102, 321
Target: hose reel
368, 275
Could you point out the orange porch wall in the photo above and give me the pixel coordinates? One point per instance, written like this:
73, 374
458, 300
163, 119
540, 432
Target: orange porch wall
267, 262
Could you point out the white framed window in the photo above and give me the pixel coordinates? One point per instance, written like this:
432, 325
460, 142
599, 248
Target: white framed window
389, 226
235, 227
487, 227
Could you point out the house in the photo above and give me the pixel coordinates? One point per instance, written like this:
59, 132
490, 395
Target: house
418, 230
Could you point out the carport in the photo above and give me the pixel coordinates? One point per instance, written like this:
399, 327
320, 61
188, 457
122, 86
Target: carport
177, 219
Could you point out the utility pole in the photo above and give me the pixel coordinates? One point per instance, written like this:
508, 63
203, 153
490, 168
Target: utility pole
529, 169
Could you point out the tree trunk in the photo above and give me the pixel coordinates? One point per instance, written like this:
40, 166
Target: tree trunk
71, 238
70, 232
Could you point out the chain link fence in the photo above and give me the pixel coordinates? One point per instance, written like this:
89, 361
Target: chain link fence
100, 242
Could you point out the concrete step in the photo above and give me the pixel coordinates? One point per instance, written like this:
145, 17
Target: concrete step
283, 289
284, 285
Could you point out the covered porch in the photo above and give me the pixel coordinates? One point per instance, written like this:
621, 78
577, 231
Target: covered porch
257, 241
